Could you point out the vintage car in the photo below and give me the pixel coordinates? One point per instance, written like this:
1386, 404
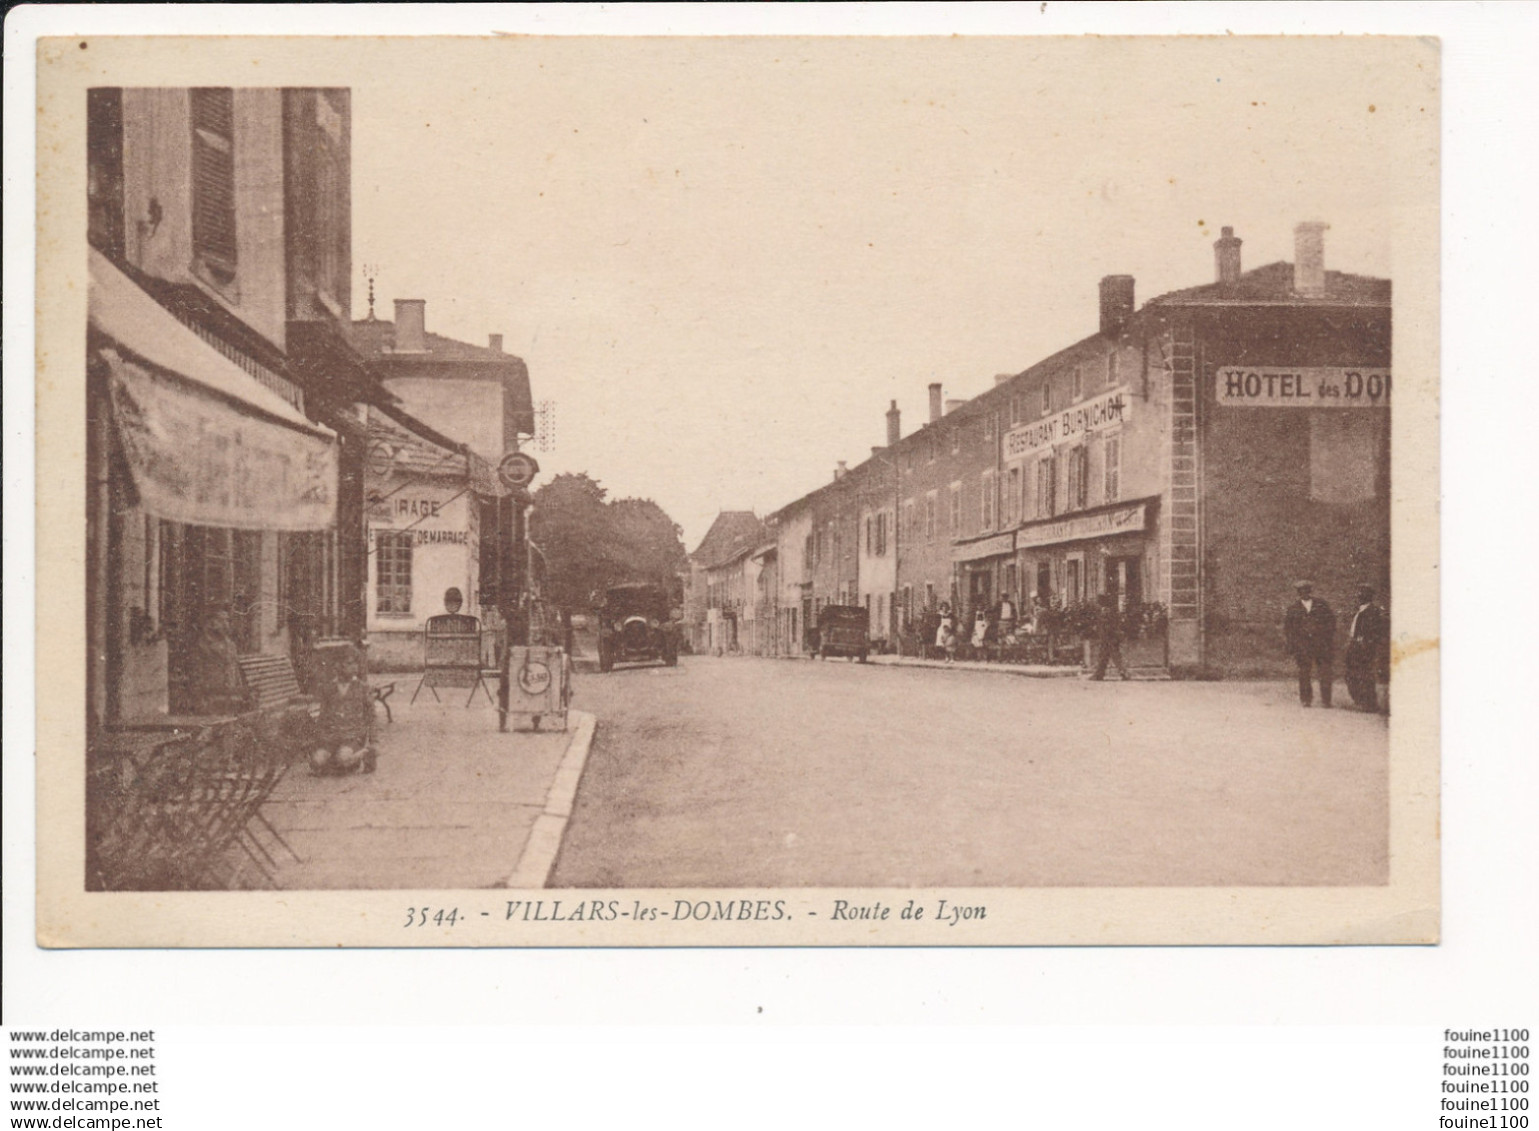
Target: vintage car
635, 625
842, 631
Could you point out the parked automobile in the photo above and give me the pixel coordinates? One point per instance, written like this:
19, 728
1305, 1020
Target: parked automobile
842, 631
636, 625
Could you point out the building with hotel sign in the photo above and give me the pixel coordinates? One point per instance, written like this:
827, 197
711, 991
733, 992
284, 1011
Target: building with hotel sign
1195, 456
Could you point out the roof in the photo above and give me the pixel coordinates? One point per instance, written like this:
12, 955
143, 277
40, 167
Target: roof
418, 449
1274, 284
732, 534
375, 337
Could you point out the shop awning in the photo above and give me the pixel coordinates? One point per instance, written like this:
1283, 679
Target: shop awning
205, 442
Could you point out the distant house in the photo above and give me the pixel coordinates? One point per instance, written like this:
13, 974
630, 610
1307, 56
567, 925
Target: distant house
720, 595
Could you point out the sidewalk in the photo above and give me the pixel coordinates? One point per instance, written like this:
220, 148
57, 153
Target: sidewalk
453, 803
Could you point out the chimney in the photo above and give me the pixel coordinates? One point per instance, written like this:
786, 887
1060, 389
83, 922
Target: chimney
1226, 256
411, 325
935, 401
840, 470
494, 342
893, 433
1309, 258
1116, 304
953, 403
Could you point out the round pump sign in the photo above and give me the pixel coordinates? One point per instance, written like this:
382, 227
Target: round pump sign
517, 469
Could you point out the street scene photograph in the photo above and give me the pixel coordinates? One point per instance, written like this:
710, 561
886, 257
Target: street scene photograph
563, 469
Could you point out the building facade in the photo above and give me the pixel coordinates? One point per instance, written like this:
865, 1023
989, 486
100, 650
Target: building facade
721, 596
1191, 459
224, 402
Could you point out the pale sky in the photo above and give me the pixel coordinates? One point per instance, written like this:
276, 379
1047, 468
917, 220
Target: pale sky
723, 258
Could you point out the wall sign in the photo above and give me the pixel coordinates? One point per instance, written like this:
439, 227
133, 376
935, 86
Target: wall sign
1123, 520
1260, 386
1105, 411
984, 548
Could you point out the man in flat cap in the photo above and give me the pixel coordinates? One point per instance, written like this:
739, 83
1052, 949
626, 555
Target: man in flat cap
1367, 639
1309, 628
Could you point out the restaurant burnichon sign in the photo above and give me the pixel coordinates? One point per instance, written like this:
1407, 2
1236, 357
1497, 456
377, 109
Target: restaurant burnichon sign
1105, 411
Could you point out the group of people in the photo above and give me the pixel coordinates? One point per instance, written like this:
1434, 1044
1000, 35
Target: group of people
1000, 624
1309, 629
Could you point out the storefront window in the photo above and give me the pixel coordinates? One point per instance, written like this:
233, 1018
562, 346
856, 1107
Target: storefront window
392, 577
955, 510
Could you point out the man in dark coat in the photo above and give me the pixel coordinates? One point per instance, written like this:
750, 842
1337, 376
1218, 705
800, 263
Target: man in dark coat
1309, 627
1367, 639
1108, 631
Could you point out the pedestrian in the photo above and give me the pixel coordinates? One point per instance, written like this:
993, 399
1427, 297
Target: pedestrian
980, 628
1309, 630
217, 686
1367, 640
946, 633
1006, 618
1109, 637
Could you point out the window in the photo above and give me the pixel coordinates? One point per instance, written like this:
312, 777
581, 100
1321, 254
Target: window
213, 184
881, 534
956, 441
807, 552
1077, 495
1113, 368
1013, 496
1076, 385
990, 499
954, 510
870, 535
910, 520
1015, 411
1113, 473
1047, 474
392, 572
836, 539
929, 517
1047, 397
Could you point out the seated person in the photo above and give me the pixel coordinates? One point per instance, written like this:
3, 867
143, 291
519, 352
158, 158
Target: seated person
344, 732
217, 687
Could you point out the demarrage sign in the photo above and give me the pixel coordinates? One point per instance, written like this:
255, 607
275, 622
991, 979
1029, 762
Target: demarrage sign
1105, 411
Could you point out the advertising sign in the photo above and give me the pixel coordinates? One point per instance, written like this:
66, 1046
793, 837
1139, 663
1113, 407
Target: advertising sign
1260, 386
1098, 413
1124, 520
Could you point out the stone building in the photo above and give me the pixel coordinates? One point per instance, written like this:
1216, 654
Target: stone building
1191, 458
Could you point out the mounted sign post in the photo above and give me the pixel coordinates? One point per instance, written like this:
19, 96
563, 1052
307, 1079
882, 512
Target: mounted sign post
516, 470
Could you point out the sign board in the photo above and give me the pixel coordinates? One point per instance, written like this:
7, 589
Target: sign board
1261, 386
990, 547
517, 469
1105, 411
1123, 520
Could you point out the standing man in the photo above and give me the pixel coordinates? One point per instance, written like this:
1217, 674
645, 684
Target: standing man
1366, 642
1006, 618
1309, 628
1108, 626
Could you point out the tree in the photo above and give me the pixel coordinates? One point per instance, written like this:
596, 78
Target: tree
591, 543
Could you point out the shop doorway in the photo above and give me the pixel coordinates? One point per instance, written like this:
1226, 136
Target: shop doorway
1044, 590
979, 591
1124, 581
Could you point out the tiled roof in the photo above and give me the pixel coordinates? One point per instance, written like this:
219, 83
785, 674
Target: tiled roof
1274, 284
376, 338
732, 534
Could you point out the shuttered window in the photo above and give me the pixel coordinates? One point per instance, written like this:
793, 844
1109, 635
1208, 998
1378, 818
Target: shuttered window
213, 182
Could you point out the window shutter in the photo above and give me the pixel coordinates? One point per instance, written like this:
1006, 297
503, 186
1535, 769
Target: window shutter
213, 180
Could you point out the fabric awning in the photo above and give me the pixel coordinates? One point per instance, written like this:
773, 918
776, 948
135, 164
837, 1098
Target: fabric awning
205, 442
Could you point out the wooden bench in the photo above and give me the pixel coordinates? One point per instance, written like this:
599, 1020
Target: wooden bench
271, 682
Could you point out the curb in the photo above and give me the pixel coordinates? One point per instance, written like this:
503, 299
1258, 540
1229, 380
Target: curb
1035, 671
539, 854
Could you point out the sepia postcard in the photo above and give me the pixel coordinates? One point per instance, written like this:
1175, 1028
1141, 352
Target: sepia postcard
608, 491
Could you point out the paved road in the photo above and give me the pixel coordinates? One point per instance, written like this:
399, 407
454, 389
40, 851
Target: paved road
776, 773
